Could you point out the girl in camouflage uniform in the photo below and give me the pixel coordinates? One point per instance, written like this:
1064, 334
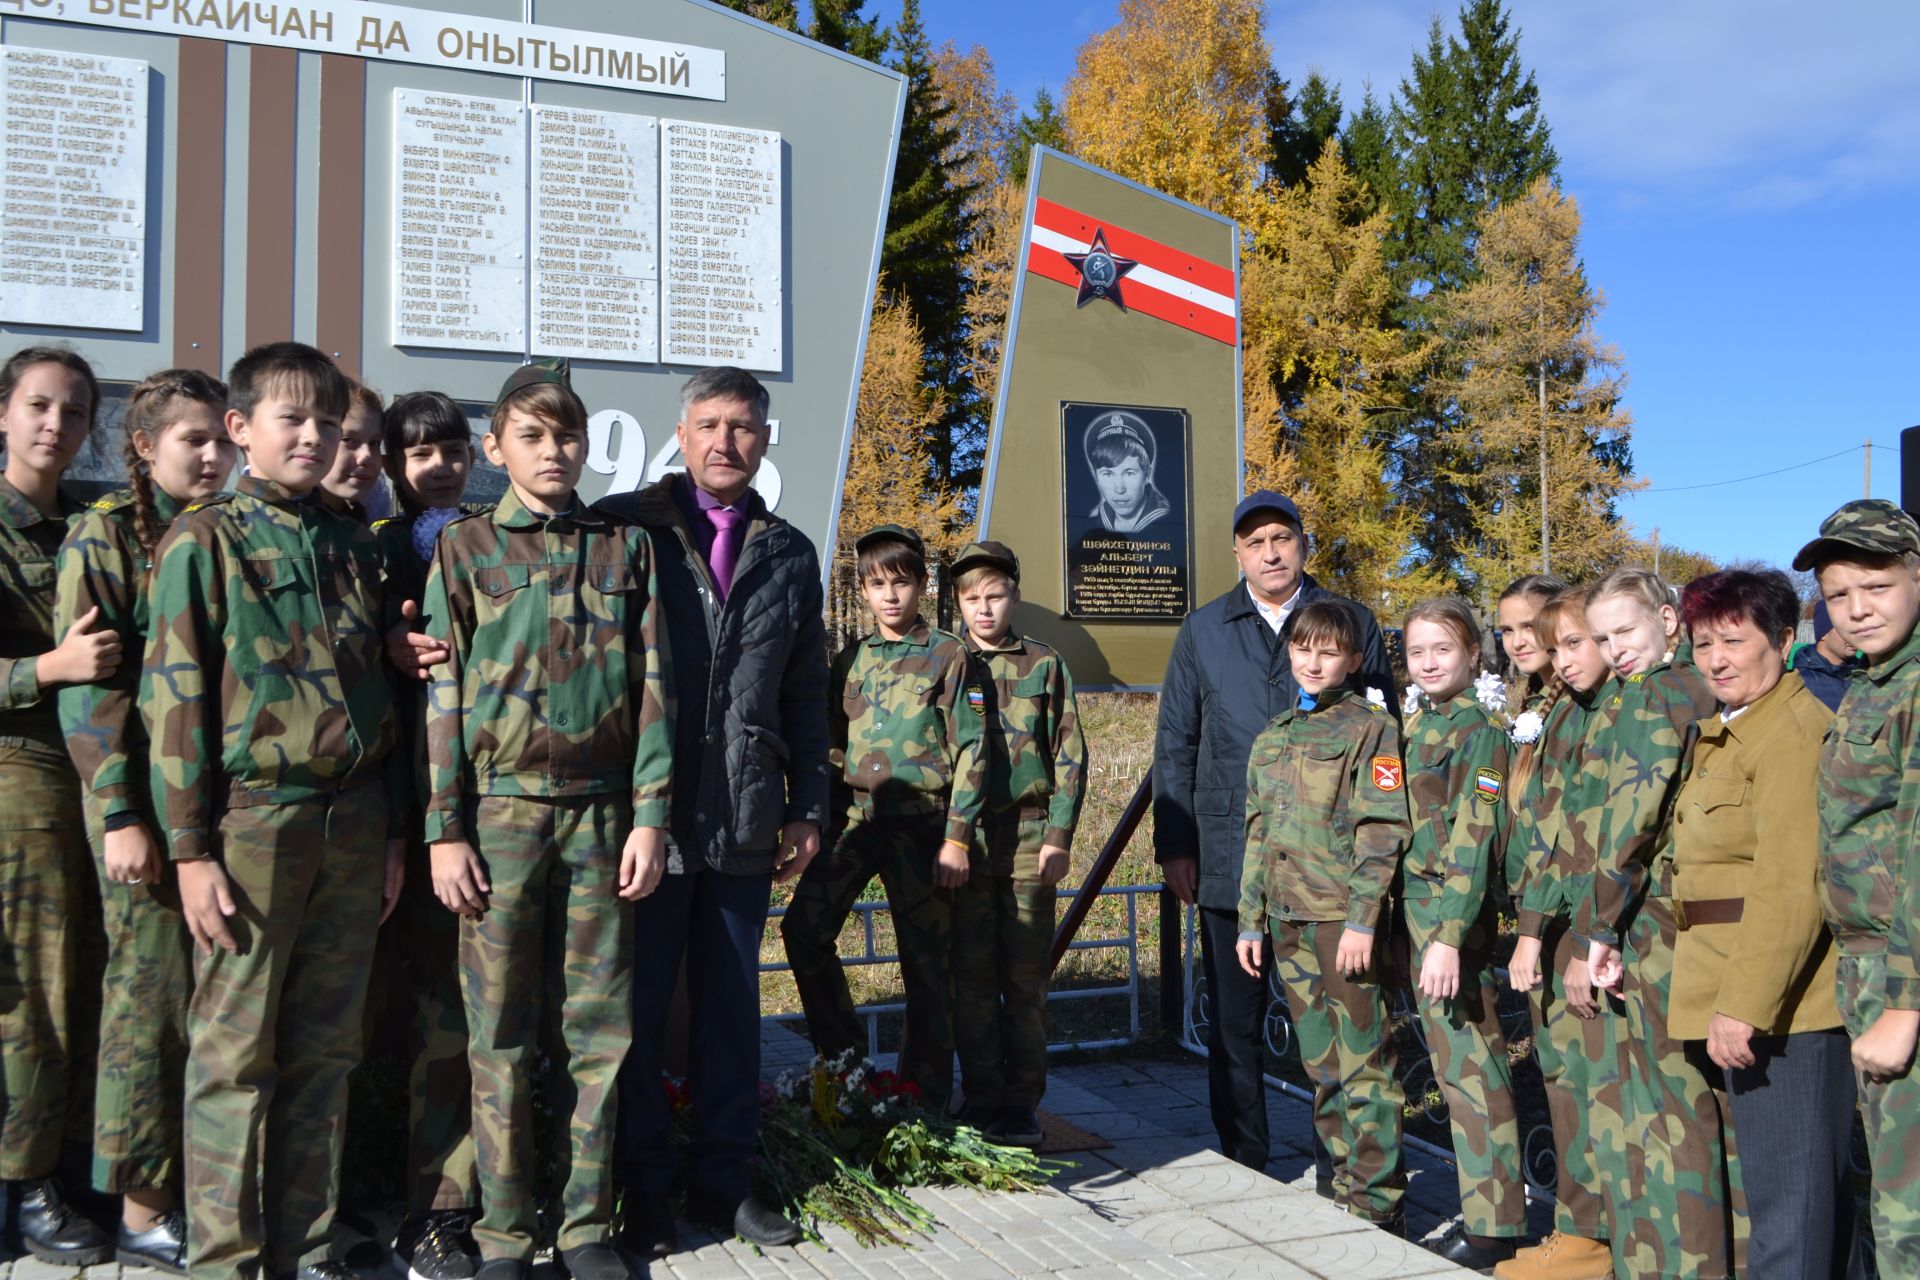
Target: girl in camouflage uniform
428, 455
1572, 1029
1457, 768
177, 453
49, 909
1671, 1121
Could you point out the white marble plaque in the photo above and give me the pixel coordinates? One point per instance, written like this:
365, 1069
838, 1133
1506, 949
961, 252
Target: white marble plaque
459, 222
596, 265
73, 188
720, 231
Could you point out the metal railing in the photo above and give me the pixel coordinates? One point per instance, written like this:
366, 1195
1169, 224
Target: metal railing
870, 954
1538, 1158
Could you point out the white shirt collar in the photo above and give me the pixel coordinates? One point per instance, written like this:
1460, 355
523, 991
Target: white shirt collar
1275, 615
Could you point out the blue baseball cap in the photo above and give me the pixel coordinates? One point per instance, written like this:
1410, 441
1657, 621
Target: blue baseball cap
1266, 500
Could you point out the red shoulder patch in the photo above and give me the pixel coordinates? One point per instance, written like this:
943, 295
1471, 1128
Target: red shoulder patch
1388, 773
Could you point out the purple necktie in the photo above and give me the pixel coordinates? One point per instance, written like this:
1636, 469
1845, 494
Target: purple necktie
726, 546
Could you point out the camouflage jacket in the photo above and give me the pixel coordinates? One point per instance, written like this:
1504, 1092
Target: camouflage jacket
103, 566
1550, 860
1869, 807
559, 682
1457, 769
1522, 758
28, 544
265, 680
1036, 756
1654, 716
902, 732
1326, 816
402, 561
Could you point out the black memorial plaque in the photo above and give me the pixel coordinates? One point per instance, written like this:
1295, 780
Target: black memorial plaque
1129, 530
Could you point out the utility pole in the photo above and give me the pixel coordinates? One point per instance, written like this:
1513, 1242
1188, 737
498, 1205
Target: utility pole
1656, 550
1546, 558
1869, 492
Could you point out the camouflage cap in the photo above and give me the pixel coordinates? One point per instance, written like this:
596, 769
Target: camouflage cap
988, 554
557, 370
890, 533
1873, 525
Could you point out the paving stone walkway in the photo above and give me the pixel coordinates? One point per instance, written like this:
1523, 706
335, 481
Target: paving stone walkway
1160, 1202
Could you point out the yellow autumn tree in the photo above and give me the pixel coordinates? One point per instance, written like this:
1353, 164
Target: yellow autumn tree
1330, 366
1540, 437
1174, 96
890, 479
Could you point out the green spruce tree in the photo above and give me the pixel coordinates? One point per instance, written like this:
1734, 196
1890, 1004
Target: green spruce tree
928, 224
780, 13
1298, 125
840, 24
1041, 126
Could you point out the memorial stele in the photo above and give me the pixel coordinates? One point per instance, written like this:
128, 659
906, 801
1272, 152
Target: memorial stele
435, 195
1115, 457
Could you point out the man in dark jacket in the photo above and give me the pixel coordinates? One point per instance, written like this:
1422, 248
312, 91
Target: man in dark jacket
1828, 663
741, 594
1228, 677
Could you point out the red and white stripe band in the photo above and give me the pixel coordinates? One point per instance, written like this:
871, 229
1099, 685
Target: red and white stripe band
1167, 284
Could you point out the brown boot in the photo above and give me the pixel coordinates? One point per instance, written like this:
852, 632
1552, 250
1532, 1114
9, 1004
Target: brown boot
1560, 1257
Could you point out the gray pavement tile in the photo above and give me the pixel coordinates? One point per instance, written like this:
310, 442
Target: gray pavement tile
1283, 1216
1181, 1233
1367, 1255
1246, 1262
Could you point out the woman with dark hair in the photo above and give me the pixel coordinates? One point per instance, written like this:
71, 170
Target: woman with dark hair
1753, 965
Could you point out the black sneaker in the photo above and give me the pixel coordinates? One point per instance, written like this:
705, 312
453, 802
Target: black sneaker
325, 1269
441, 1247
1017, 1127
596, 1262
162, 1246
53, 1231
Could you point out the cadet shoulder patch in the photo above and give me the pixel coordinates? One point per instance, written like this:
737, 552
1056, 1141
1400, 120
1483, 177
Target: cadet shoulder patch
1388, 773
212, 500
1637, 677
384, 521
1487, 784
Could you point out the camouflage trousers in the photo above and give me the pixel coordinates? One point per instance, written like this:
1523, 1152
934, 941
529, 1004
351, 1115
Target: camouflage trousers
51, 955
275, 1030
901, 852
1580, 1073
1469, 1052
548, 965
1341, 1026
1679, 1149
139, 1129
1891, 1115
417, 967
1002, 945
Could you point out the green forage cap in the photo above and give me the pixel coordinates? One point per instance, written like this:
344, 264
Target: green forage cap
890, 533
989, 554
1873, 525
556, 370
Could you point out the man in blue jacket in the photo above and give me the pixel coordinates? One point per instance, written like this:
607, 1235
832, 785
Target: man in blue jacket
740, 590
1228, 677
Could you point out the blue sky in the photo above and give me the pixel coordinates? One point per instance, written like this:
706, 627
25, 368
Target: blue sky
1749, 174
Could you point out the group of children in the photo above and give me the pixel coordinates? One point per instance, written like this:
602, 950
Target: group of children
241, 729
1554, 798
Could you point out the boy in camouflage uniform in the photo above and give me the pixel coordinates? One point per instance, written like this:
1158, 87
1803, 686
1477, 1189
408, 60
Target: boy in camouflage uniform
1326, 825
550, 743
907, 743
1681, 1220
1003, 916
1457, 771
274, 772
1868, 561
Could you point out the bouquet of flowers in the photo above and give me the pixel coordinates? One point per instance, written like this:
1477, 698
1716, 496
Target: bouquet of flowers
840, 1139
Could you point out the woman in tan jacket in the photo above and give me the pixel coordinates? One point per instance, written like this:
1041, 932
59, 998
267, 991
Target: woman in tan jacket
1753, 968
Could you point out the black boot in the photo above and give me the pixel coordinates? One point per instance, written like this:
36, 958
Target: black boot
595, 1262
647, 1229
162, 1246
52, 1231
1475, 1253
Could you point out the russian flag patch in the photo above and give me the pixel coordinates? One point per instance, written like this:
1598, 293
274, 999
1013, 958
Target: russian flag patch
1486, 785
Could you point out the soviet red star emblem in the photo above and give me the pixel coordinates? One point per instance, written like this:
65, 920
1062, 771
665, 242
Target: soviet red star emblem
1101, 271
